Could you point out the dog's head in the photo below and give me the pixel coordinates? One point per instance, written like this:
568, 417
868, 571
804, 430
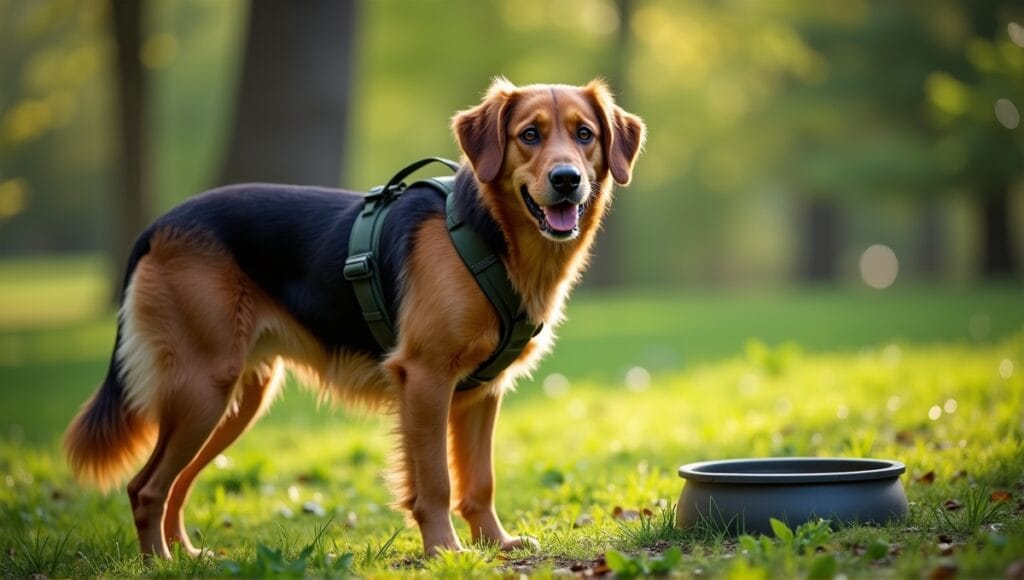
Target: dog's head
544, 152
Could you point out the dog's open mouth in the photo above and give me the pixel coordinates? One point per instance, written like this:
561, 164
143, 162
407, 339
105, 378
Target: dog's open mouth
560, 221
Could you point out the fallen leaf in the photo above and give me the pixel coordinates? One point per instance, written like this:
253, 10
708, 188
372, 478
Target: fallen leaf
1000, 496
944, 571
1015, 571
601, 568
905, 437
926, 479
952, 504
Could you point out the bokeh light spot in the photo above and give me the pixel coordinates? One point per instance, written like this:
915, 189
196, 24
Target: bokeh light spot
879, 266
894, 403
1006, 368
1016, 32
1007, 113
935, 412
638, 379
950, 406
556, 385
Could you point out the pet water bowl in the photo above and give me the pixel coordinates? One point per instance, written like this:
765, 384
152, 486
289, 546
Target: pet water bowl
742, 495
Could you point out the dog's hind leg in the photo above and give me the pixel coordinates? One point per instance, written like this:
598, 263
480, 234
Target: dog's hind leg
256, 392
188, 323
186, 423
472, 420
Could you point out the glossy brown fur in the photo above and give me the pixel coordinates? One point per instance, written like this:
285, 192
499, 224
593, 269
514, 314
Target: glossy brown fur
204, 348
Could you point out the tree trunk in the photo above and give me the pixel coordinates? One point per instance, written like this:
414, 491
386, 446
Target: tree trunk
606, 266
291, 118
130, 207
819, 241
997, 247
932, 240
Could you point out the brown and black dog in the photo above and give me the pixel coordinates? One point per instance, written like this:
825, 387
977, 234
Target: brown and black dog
229, 289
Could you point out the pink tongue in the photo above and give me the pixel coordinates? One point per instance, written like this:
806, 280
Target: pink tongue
562, 216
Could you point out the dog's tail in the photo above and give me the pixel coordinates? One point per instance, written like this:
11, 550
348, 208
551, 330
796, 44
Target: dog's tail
107, 437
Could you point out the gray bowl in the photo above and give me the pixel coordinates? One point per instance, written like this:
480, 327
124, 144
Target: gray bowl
741, 495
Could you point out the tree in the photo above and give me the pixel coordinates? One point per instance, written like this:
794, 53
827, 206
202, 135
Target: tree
132, 192
291, 119
606, 265
965, 90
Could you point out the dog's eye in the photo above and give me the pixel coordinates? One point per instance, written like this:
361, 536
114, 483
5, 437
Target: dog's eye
530, 135
584, 134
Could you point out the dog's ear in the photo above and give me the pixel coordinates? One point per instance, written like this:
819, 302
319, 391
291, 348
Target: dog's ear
622, 134
481, 130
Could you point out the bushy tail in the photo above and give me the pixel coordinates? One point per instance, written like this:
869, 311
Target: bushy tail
106, 438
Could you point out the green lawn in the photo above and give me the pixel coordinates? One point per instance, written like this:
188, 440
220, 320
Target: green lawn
933, 378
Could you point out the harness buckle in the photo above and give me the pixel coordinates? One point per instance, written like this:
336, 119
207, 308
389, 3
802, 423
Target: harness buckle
384, 193
358, 267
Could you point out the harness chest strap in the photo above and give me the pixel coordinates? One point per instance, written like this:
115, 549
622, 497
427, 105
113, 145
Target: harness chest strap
483, 263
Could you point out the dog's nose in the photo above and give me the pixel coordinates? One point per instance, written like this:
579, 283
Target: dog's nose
564, 178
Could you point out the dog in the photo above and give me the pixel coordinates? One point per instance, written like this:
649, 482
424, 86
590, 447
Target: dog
234, 286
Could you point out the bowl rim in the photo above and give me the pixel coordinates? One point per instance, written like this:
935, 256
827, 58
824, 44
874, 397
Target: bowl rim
732, 470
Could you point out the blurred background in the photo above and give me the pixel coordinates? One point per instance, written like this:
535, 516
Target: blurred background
791, 143
820, 254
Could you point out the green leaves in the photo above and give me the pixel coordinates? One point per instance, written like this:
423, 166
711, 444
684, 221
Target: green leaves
877, 550
823, 566
789, 547
626, 566
781, 531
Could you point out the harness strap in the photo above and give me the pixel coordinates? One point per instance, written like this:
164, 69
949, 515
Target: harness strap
364, 241
487, 268
489, 272
361, 270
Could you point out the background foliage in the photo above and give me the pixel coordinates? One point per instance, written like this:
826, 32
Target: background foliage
777, 129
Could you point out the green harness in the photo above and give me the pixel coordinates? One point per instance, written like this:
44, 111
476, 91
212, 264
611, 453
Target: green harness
487, 268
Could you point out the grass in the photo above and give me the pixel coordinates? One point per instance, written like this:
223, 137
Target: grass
931, 378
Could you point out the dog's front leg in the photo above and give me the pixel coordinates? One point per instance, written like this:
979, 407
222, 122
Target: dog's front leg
423, 415
473, 417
